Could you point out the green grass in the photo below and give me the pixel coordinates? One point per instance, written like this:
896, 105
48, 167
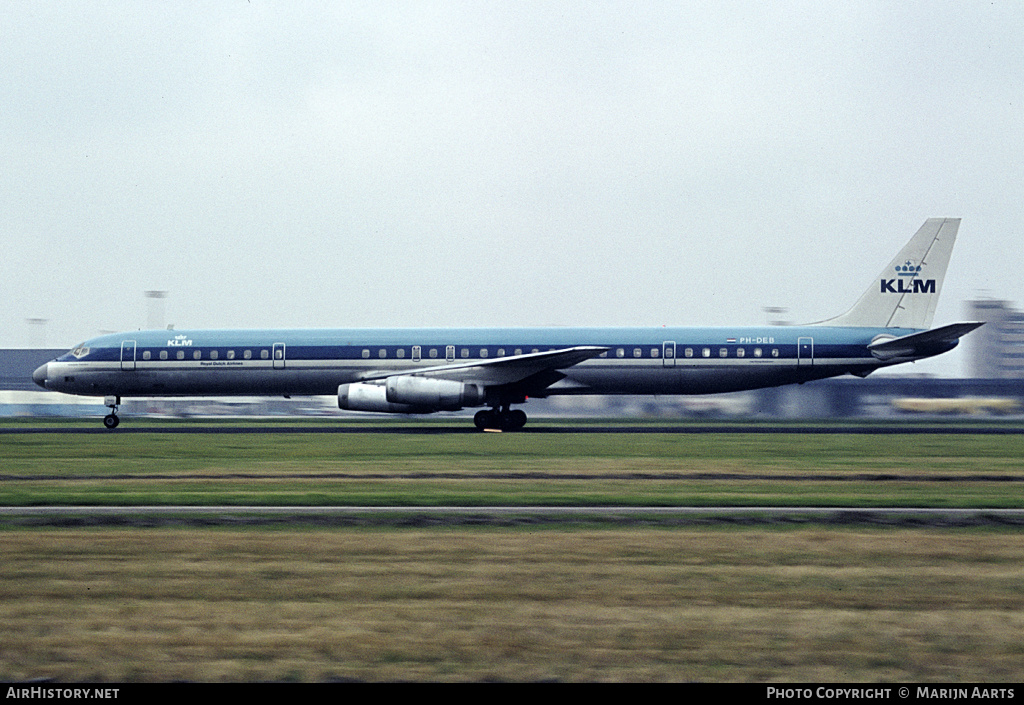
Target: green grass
631, 469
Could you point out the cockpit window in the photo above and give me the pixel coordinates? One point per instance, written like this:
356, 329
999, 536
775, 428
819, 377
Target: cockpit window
80, 351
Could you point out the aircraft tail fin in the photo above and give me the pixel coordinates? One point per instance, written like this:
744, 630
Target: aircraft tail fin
907, 291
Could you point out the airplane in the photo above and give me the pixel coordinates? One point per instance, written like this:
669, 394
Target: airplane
425, 370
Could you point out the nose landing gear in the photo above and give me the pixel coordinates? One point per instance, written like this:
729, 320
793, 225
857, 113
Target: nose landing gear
111, 420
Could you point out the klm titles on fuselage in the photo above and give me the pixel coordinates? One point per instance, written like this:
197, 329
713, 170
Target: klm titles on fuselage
180, 341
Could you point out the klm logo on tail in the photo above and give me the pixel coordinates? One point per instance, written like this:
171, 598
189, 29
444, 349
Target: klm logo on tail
909, 285
907, 281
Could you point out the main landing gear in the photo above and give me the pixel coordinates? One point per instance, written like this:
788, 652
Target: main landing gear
503, 419
111, 420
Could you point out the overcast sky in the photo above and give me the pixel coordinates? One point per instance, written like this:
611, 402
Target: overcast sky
337, 164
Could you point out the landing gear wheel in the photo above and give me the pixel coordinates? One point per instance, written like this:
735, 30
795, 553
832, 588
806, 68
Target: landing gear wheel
507, 420
483, 419
516, 419
110, 420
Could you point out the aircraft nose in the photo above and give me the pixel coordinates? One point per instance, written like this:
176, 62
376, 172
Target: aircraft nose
39, 376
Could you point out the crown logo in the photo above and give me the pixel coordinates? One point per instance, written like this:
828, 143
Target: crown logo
908, 269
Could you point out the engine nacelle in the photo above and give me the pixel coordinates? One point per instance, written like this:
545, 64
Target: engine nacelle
440, 394
371, 397
404, 394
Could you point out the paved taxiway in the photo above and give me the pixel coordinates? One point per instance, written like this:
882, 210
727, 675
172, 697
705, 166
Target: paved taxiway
149, 516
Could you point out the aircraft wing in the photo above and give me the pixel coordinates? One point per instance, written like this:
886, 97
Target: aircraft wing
926, 342
500, 370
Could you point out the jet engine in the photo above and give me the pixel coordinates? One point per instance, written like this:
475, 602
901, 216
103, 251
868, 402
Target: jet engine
441, 394
405, 394
371, 397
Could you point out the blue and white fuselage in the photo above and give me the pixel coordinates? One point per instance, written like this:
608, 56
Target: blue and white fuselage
421, 370
629, 360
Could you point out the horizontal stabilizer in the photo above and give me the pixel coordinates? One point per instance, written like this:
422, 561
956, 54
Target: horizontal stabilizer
923, 344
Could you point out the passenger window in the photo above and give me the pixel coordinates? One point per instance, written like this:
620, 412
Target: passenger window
637, 352
620, 353
264, 355
213, 355
181, 354
501, 352
146, 355
433, 352
163, 354
464, 352
366, 353
723, 352
400, 352
483, 352
197, 355
688, 352
231, 354
757, 352
706, 352
248, 354
655, 352
519, 351
775, 352
382, 353
740, 352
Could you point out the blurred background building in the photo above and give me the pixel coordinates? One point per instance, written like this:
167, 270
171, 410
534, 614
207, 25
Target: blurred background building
996, 349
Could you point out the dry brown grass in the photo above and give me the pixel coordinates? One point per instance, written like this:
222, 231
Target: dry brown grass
659, 605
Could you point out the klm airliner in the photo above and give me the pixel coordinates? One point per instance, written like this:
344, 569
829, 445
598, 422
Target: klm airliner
423, 370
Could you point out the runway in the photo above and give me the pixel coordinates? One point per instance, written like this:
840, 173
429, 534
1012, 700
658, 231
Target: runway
539, 429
